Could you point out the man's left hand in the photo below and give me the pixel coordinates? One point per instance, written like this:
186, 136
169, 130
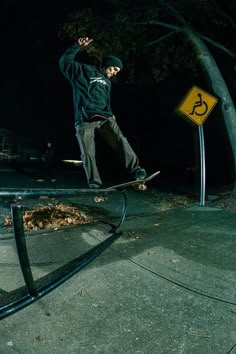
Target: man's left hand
83, 41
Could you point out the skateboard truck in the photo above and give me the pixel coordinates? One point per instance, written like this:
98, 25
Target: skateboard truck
139, 185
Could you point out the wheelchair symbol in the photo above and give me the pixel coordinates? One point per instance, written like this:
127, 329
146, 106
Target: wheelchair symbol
200, 104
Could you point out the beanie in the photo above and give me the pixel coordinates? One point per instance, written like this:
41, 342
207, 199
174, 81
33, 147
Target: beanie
111, 61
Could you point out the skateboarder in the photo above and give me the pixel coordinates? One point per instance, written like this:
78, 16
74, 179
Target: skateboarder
91, 92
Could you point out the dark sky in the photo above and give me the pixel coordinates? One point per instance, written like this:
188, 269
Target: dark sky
31, 49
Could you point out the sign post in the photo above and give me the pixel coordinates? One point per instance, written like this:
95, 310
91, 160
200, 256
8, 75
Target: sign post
197, 105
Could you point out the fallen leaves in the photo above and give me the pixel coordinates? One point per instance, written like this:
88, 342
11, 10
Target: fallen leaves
169, 200
227, 202
51, 217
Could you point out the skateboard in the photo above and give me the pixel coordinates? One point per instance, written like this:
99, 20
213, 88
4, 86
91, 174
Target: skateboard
139, 185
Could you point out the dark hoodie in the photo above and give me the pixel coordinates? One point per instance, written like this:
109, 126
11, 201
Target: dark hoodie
91, 89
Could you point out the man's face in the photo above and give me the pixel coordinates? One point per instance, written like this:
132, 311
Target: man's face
111, 71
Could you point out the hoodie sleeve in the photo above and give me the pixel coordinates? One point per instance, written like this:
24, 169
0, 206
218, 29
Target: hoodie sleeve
67, 63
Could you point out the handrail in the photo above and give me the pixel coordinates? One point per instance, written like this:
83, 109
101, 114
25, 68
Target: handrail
35, 292
34, 192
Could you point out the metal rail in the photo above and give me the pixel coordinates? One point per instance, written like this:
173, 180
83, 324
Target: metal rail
59, 192
34, 291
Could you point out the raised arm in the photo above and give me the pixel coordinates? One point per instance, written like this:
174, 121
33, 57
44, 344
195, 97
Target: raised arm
67, 63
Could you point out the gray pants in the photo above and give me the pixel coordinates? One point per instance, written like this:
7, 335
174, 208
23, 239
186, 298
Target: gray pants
111, 133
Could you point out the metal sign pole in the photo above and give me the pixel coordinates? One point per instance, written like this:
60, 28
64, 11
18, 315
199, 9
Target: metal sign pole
197, 105
203, 164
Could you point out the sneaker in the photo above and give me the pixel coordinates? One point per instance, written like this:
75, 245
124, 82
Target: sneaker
140, 174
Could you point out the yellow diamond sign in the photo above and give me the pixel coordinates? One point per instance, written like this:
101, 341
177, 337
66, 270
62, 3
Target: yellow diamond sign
197, 105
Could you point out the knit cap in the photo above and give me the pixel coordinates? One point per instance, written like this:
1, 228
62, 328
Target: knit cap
111, 60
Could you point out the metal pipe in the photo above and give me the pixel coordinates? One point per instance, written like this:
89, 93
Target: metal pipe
35, 192
17, 220
69, 269
124, 209
203, 169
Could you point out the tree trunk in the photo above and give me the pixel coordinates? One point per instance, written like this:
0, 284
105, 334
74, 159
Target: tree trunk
219, 87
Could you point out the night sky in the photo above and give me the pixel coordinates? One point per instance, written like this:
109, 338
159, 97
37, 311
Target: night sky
31, 47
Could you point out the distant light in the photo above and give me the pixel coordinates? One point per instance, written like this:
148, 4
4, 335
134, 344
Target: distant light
73, 162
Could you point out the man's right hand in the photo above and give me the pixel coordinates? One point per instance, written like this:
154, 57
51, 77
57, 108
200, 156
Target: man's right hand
83, 41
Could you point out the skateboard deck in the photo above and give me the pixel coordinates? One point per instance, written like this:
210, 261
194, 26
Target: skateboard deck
139, 185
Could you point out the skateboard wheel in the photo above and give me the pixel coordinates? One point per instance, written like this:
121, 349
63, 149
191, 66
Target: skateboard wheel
100, 199
142, 187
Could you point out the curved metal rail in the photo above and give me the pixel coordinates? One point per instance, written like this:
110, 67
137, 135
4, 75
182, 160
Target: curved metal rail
34, 292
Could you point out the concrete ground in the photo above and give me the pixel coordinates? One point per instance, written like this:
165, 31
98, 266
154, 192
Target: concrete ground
166, 285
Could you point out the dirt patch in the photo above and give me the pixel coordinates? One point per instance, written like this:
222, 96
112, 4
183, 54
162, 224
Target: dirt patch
225, 201
169, 200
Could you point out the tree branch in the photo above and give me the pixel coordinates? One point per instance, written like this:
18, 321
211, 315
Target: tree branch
179, 28
160, 39
217, 45
223, 13
175, 13
160, 23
